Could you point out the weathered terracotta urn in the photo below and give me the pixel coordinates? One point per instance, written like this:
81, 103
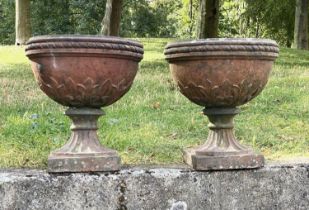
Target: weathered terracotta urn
220, 75
84, 73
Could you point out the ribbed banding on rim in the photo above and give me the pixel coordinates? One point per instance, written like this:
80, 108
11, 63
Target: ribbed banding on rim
235, 47
105, 45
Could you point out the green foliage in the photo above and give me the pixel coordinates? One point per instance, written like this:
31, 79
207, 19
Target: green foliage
143, 19
86, 16
54, 17
157, 18
258, 18
140, 18
137, 19
7, 22
50, 17
275, 19
67, 16
187, 17
231, 20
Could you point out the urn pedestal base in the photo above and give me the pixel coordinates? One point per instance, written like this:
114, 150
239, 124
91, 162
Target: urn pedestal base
227, 162
222, 151
90, 163
83, 152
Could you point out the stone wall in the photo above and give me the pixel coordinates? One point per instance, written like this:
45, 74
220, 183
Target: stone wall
276, 186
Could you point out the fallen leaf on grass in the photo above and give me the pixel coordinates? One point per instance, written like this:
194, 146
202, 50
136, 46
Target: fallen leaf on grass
156, 105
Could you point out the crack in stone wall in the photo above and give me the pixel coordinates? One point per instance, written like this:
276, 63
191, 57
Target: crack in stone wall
122, 200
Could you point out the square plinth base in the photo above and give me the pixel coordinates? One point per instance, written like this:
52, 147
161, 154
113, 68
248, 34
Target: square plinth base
61, 164
228, 162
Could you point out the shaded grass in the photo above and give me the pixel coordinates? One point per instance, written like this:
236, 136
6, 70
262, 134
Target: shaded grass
153, 122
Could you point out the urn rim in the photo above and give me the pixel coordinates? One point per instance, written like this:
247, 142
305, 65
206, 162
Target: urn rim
222, 47
84, 44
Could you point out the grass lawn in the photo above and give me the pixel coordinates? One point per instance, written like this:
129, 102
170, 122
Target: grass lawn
153, 122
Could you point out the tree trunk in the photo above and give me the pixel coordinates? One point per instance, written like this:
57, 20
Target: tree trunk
201, 29
301, 25
22, 21
191, 9
257, 28
116, 17
209, 19
106, 22
112, 17
191, 17
212, 18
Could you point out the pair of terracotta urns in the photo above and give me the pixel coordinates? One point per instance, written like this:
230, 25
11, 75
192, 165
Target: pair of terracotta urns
86, 73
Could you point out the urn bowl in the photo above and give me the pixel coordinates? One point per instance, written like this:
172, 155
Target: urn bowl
221, 72
84, 71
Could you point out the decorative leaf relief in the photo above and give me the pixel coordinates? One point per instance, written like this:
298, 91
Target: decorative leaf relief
89, 92
225, 94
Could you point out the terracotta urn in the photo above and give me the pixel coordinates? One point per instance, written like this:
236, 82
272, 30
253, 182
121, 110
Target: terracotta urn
220, 75
84, 73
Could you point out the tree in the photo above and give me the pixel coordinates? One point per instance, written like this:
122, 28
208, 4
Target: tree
201, 28
187, 16
144, 18
190, 16
301, 25
209, 19
112, 18
7, 20
270, 19
273, 19
22, 22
